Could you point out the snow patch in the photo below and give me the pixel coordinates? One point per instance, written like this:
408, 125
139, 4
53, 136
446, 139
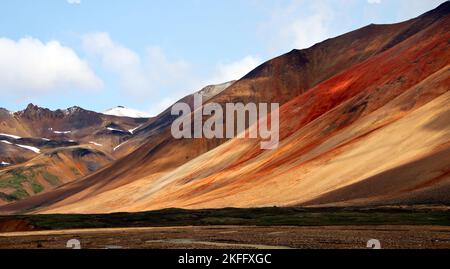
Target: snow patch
62, 132
121, 111
116, 148
117, 130
36, 150
97, 144
134, 129
11, 136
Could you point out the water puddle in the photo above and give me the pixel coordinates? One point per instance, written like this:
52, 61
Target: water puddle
228, 232
187, 241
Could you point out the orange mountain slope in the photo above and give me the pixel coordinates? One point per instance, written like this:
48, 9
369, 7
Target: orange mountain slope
364, 120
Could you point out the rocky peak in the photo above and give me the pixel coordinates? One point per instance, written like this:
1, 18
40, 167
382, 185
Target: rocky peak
32, 107
74, 109
5, 112
212, 90
33, 112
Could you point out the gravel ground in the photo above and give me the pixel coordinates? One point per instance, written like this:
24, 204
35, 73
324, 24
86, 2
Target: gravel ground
236, 237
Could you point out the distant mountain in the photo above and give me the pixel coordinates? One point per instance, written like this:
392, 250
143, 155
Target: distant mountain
44, 148
364, 120
121, 111
71, 124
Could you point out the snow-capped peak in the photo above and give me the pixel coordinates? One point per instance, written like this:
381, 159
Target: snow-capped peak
121, 111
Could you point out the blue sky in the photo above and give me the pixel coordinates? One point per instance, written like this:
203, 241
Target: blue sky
147, 54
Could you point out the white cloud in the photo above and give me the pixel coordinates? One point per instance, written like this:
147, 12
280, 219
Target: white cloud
223, 72
374, 1
154, 78
412, 8
74, 2
118, 59
162, 104
146, 75
298, 25
306, 32
164, 72
234, 70
29, 67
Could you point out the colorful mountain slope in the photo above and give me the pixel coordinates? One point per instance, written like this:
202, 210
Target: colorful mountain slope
364, 120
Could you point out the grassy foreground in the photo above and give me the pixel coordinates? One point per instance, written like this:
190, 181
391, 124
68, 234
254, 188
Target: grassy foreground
273, 216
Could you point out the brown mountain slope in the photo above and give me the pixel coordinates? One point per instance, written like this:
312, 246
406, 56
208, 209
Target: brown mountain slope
48, 171
159, 124
368, 118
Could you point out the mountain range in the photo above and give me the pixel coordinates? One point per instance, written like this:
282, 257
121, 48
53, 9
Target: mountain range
364, 121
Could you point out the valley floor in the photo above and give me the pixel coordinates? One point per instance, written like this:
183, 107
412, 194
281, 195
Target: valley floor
420, 226
235, 237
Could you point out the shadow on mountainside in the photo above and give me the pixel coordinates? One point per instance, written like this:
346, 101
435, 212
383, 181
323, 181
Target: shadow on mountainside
400, 180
